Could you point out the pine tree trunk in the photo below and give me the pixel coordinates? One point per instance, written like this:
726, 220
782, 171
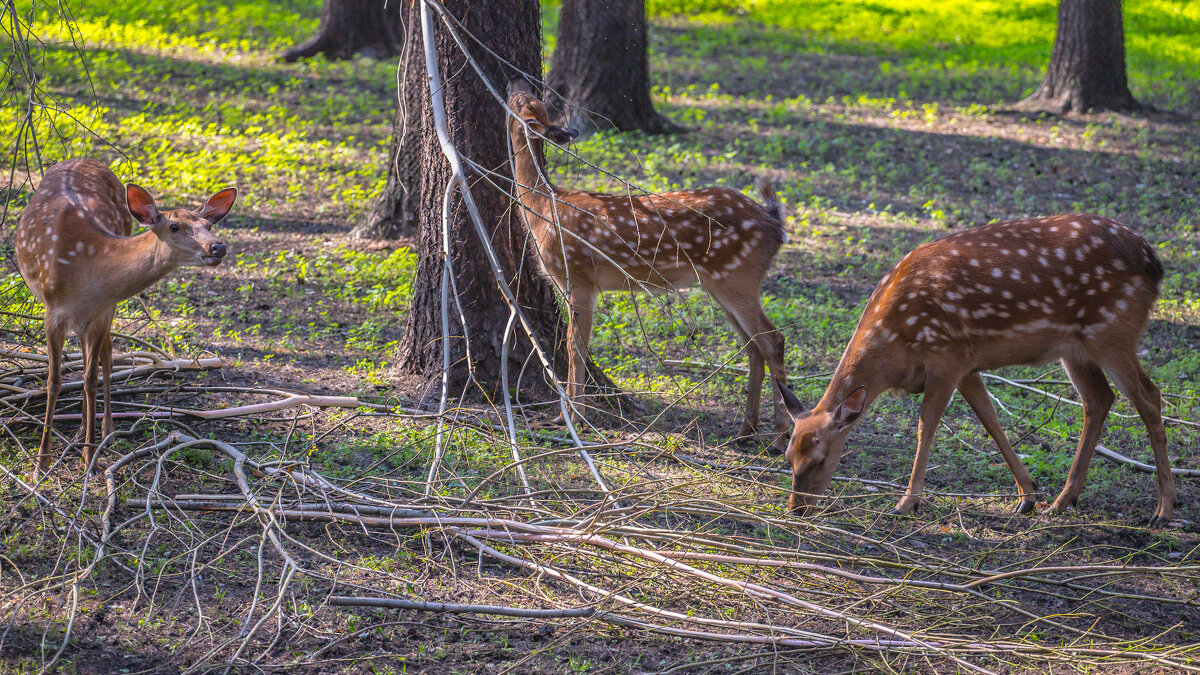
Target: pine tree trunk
395, 211
350, 27
601, 68
1087, 64
512, 29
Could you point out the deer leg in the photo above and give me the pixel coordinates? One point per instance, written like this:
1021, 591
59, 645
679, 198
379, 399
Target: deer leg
770, 343
579, 334
764, 345
1097, 398
106, 364
975, 393
91, 340
55, 334
937, 396
749, 427
1133, 382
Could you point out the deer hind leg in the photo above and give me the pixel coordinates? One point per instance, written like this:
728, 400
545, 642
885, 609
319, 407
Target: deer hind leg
1097, 397
975, 393
937, 396
754, 382
55, 334
92, 341
764, 345
770, 342
1127, 372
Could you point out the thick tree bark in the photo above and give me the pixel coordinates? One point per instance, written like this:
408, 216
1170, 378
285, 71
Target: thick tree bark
510, 28
395, 212
601, 68
1087, 64
350, 27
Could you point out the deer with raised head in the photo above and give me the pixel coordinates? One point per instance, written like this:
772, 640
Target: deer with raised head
589, 242
75, 252
1077, 288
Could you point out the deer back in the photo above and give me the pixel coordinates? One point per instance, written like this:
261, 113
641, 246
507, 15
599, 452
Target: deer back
1016, 292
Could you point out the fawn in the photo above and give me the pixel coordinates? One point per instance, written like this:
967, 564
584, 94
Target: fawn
1077, 287
589, 242
75, 252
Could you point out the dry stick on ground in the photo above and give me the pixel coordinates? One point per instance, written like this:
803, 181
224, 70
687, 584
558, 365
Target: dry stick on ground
511, 531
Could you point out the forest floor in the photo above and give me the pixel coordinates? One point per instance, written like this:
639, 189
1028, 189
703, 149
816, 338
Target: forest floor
881, 125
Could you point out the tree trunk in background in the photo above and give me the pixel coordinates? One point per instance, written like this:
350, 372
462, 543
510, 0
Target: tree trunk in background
395, 212
349, 27
1087, 64
512, 29
601, 67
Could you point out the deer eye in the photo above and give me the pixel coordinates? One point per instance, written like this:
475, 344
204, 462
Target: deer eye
174, 227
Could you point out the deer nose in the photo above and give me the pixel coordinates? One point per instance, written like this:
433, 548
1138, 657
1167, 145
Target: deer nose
217, 250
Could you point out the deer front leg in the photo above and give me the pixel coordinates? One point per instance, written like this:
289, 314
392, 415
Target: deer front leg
579, 334
106, 364
937, 397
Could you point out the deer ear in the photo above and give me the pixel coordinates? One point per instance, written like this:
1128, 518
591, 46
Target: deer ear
851, 408
795, 408
561, 135
218, 205
517, 86
141, 205
535, 125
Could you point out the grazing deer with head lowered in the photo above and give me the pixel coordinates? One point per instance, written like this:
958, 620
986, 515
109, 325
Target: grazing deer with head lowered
1078, 288
588, 243
75, 252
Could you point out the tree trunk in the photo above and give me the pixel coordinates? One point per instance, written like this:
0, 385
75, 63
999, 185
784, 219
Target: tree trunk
601, 69
349, 27
1087, 64
395, 211
511, 28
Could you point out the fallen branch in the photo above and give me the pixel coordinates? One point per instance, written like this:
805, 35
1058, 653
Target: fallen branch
399, 603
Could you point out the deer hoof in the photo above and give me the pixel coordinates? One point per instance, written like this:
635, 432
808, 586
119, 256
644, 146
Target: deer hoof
906, 506
1157, 521
1024, 507
1061, 505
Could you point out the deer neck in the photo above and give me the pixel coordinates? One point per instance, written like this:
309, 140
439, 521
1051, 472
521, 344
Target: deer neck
133, 264
533, 188
865, 363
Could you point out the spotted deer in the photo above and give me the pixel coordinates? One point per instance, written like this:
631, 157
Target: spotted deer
75, 252
590, 242
1077, 288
